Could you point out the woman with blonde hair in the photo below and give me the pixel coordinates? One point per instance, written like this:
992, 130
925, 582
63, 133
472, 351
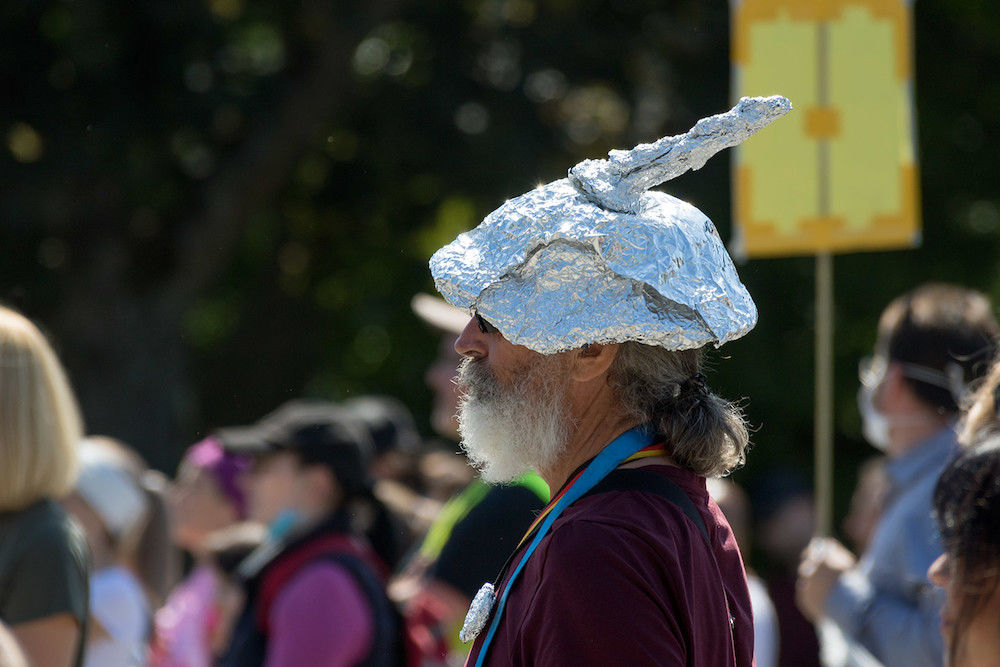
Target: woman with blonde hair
43, 555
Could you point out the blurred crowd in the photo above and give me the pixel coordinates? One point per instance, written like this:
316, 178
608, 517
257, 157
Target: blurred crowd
334, 534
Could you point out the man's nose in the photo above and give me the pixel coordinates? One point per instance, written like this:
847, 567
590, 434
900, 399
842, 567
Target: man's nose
471, 342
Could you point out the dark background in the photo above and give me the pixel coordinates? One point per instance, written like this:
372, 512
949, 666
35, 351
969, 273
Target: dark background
216, 205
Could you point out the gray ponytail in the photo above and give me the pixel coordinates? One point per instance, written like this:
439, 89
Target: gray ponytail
702, 432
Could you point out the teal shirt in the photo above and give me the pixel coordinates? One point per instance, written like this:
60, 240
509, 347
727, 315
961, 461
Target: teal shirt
44, 564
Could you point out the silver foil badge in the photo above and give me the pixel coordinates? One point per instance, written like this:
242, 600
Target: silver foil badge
479, 613
597, 258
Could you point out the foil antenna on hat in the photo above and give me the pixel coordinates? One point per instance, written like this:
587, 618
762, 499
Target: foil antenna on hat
617, 183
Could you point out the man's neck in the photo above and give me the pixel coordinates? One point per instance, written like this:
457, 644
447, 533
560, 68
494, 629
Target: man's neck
596, 423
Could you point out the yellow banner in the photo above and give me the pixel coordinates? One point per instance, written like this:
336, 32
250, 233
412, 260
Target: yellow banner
840, 173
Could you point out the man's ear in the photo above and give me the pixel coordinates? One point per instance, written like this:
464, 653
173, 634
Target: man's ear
593, 360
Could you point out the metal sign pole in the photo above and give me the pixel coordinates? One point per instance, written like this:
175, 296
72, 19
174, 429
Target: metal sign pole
823, 415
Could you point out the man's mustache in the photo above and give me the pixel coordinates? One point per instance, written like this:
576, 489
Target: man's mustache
476, 379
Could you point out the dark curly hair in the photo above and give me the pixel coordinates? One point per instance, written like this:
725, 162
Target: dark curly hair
967, 510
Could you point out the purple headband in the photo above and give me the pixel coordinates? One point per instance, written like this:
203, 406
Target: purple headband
225, 467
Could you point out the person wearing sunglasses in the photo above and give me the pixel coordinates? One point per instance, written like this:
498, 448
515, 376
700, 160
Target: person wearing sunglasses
933, 342
590, 299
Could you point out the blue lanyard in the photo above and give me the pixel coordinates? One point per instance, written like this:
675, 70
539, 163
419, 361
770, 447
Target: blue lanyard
622, 447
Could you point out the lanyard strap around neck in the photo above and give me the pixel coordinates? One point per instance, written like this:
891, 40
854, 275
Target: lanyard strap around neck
611, 457
646, 452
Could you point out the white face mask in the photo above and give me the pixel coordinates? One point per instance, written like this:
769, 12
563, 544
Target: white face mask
874, 424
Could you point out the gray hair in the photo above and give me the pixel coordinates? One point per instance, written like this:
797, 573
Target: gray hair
702, 432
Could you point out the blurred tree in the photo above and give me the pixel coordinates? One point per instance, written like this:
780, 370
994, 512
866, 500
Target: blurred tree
216, 205
144, 140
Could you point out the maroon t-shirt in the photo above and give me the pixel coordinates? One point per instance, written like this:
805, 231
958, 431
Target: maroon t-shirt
625, 578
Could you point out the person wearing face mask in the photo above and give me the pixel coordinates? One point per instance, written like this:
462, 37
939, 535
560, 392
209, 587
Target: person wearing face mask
315, 587
933, 343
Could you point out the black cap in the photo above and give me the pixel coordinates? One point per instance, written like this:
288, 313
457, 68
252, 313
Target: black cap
319, 432
388, 421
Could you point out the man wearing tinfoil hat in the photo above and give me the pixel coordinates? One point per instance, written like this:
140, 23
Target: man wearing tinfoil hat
590, 300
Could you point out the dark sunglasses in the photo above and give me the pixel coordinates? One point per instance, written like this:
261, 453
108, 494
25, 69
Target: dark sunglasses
485, 326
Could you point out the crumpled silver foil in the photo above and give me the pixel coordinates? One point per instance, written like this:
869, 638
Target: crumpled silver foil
595, 258
479, 613
618, 182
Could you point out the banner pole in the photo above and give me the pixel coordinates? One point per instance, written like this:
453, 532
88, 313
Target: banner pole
823, 414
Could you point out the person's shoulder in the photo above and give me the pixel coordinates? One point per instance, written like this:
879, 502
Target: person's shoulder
321, 589
917, 529
43, 514
912, 507
45, 570
641, 512
325, 578
612, 531
594, 565
324, 568
600, 524
46, 529
631, 523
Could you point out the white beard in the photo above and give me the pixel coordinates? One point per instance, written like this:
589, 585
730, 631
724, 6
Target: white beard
507, 431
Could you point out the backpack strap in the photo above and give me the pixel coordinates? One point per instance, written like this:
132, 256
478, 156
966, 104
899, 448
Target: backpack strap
638, 479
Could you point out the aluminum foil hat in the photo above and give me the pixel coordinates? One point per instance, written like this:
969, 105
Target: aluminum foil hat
597, 258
